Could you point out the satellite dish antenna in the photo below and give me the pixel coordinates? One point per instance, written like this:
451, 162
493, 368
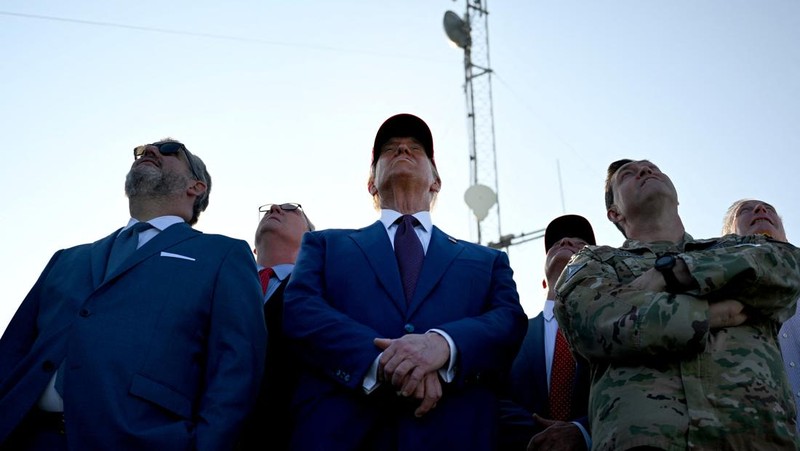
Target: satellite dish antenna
480, 198
457, 30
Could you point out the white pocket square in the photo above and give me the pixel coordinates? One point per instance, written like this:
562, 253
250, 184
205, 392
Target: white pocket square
170, 254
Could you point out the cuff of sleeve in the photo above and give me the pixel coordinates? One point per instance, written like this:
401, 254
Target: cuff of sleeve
370, 382
448, 374
704, 285
586, 437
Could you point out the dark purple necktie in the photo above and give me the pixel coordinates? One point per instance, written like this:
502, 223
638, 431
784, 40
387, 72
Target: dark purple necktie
409, 253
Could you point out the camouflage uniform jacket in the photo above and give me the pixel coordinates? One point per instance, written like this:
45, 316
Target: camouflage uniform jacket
660, 377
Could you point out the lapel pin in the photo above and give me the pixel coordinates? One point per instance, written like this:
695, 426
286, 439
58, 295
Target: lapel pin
452, 240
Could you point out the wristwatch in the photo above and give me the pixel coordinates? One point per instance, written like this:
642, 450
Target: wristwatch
665, 264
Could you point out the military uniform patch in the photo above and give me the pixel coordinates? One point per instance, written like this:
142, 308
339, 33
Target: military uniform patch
573, 269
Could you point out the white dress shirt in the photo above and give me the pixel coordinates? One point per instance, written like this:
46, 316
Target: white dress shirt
280, 273
423, 230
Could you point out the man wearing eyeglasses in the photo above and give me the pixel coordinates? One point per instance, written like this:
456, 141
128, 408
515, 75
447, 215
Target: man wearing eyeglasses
277, 242
150, 338
402, 330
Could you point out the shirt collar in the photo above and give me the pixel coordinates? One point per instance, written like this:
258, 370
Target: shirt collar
388, 217
160, 223
547, 310
281, 271
659, 246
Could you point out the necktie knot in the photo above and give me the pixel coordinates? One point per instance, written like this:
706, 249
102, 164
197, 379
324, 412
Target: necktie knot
409, 253
125, 244
407, 220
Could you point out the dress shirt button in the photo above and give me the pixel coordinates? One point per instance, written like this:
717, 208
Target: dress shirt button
409, 328
791, 364
48, 366
84, 312
785, 335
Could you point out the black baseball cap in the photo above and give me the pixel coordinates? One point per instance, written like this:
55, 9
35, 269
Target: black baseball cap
568, 226
403, 126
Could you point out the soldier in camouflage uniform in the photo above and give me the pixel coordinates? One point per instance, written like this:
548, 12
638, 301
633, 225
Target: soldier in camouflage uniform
683, 353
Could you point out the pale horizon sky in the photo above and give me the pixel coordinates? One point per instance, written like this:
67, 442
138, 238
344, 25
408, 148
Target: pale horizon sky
282, 101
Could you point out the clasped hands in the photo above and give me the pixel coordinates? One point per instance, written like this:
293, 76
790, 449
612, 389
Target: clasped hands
411, 364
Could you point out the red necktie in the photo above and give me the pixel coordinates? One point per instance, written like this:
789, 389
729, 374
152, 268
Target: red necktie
265, 274
562, 376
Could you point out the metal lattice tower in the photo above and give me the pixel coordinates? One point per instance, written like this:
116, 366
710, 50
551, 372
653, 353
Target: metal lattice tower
471, 33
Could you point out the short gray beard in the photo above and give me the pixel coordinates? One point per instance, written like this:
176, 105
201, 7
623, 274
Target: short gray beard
149, 183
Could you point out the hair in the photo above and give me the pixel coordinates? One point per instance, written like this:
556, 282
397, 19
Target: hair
201, 203
729, 220
612, 170
310, 225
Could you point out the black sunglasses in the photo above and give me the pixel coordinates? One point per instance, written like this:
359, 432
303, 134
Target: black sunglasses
289, 206
167, 148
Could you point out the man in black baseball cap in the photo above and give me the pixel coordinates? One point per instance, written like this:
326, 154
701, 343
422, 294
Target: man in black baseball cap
538, 415
401, 330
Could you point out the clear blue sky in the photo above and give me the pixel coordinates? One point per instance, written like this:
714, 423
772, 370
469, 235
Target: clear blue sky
284, 103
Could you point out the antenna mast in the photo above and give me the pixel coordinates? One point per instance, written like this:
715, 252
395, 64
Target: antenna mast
471, 33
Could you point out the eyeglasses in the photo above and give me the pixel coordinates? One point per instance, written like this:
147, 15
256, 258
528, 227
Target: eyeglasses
167, 148
289, 206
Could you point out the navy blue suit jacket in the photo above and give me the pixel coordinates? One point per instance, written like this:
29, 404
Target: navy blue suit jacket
346, 291
528, 394
165, 353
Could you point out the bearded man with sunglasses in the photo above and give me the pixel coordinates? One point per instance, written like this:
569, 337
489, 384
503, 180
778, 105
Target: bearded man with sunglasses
402, 331
150, 338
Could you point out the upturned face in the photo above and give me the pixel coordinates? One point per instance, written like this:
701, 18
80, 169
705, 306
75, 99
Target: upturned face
282, 224
155, 174
559, 254
403, 162
638, 181
758, 217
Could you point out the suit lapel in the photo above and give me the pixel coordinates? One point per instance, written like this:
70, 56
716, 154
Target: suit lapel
442, 250
374, 243
538, 355
100, 252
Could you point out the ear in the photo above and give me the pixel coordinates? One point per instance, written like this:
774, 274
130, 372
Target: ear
613, 214
373, 190
436, 186
196, 189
